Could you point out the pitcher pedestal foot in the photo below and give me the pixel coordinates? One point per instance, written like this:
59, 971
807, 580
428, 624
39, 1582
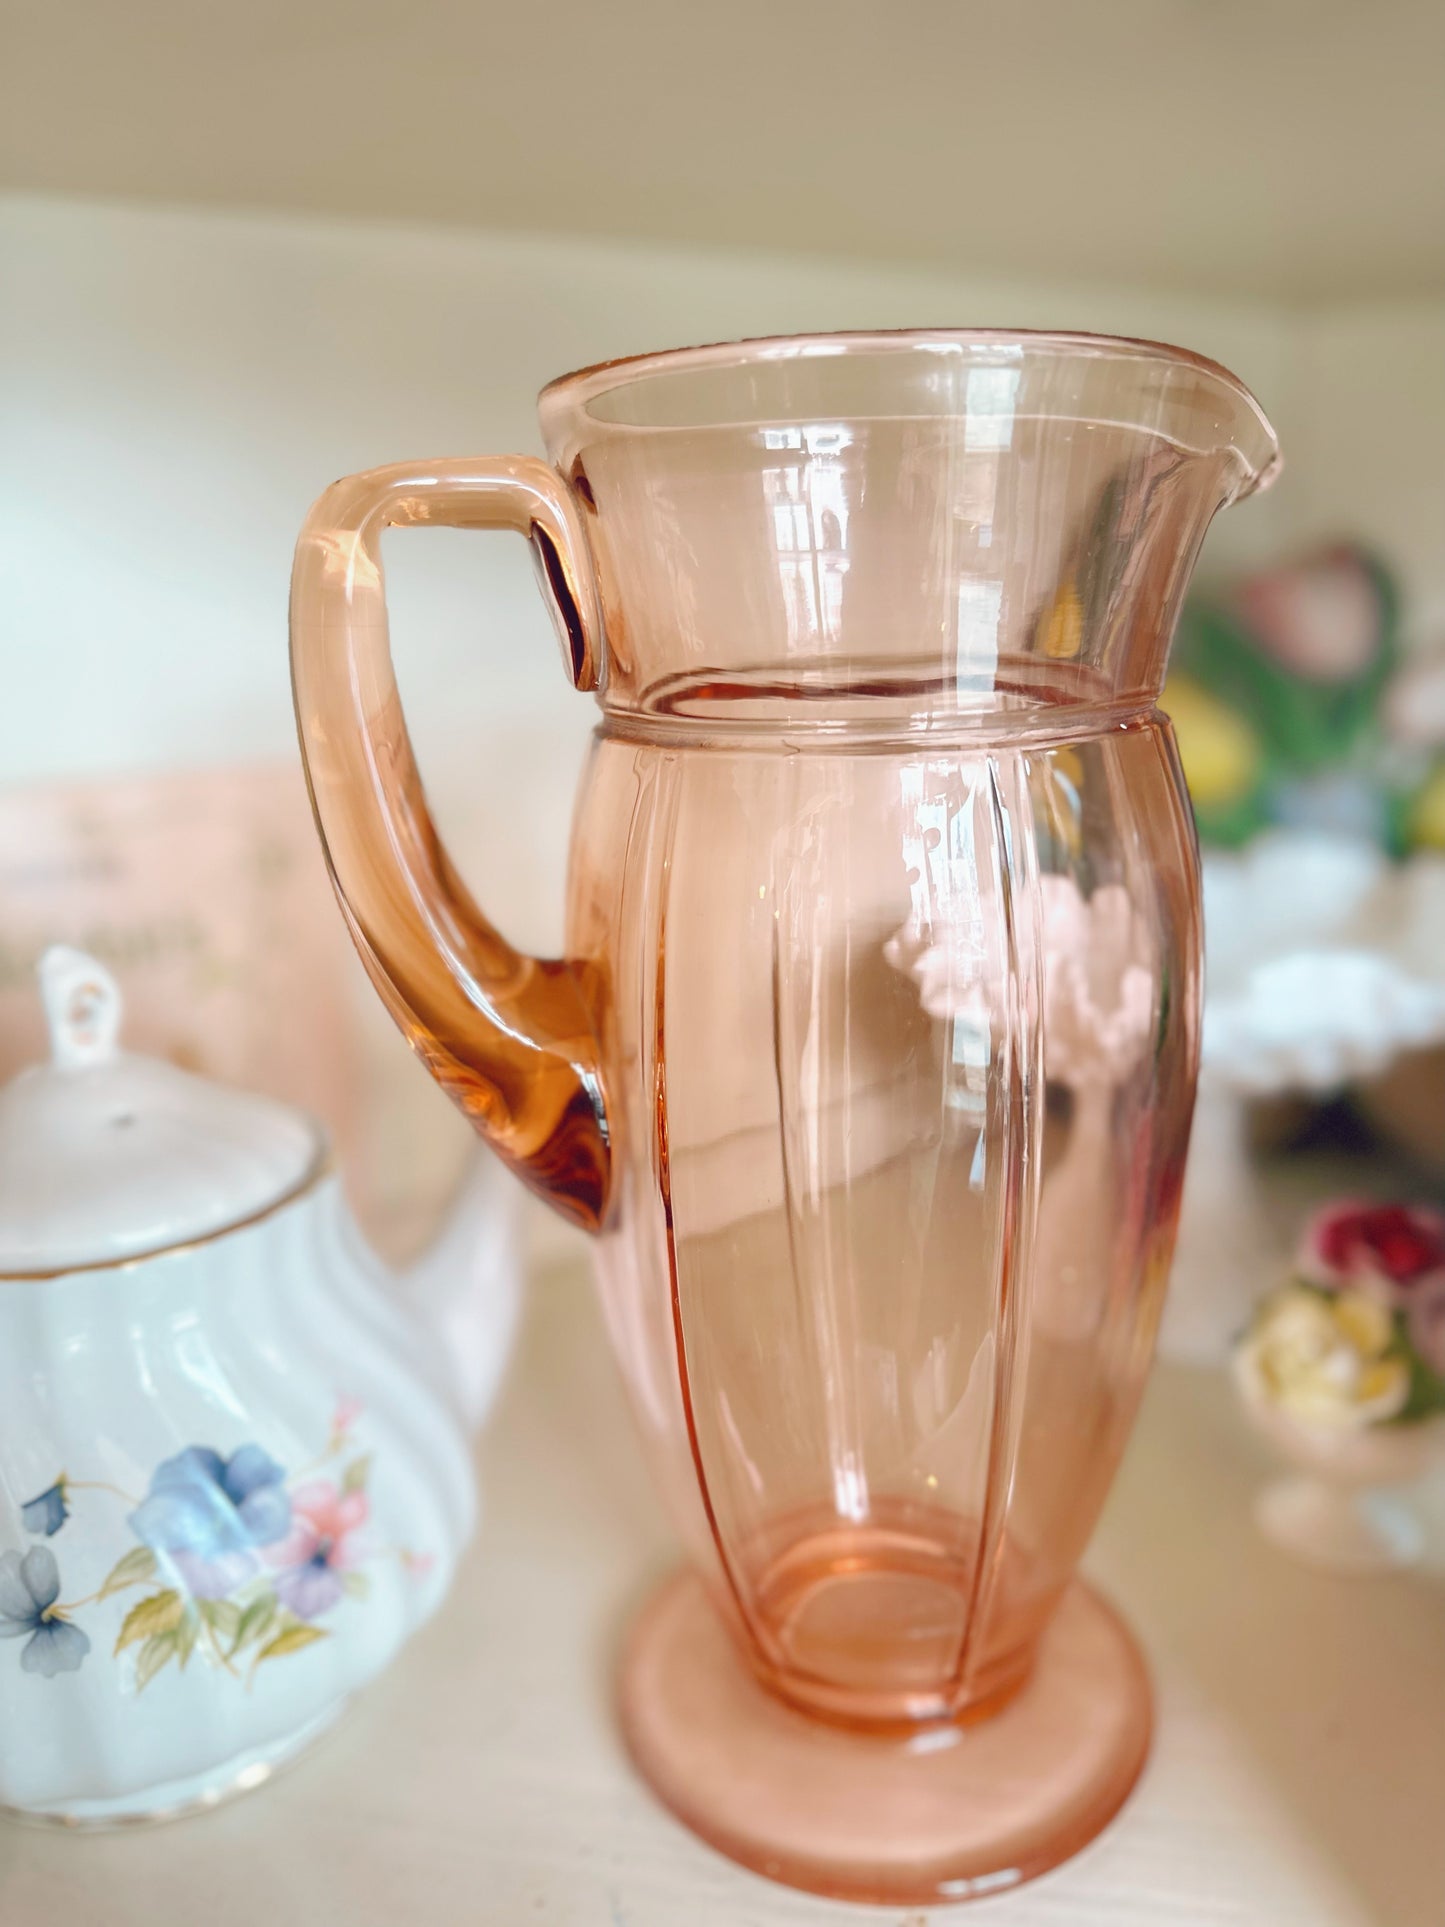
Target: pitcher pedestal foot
947, 1813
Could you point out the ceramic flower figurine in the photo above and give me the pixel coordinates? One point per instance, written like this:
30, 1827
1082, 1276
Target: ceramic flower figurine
1097, 971
1325, 966
1343, 1369
1275, 689
1396, 1254
1326, 1359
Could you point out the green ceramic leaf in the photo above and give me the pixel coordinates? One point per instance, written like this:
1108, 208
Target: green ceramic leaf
161, 1612
354, 1478
1427, 1391
158, 1649
138, 1565
1309, 726
1230, 826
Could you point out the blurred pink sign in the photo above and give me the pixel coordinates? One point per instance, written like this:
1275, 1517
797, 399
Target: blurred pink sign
207, 896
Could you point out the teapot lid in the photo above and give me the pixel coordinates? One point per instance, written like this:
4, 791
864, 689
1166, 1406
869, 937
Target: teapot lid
106, 1156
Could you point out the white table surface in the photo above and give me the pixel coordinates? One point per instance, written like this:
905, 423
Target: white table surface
1298, 1774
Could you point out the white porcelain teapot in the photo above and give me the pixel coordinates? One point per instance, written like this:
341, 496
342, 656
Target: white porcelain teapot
234, 1473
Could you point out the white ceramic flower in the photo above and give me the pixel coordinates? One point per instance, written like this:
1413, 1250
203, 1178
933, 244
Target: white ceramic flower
1098, 977
1324, 961
1324, 1359
1099, 1004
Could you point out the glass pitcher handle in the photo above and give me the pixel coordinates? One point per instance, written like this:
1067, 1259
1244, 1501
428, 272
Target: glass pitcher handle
511, 1038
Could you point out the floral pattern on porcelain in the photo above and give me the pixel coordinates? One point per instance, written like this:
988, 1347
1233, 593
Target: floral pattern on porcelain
29, 1595
240, 1561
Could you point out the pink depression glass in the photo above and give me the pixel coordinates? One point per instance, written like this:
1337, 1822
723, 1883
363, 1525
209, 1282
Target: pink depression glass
872, 1060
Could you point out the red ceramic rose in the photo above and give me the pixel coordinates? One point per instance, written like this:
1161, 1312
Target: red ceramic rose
1394, 1251
1399, 1247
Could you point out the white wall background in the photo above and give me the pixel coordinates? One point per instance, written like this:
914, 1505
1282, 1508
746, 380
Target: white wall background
1362, 418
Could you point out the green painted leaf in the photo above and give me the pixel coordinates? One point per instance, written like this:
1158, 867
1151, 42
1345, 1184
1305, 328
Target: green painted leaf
354, 1478
356, 1585
185, 1636
292, 1639
255, 1622
158, 1649
223, 1616
161, 1612
138, 1565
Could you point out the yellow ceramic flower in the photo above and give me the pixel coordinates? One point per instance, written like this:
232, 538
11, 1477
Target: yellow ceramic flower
1325, 1358
1063, 626
1427, 815
1218, 748
1056, 778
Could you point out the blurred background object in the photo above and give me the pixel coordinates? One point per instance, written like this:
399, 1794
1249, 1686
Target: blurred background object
1294, 708
1325, 967
205, 894
1342, 1369
1275, 688
1315, 758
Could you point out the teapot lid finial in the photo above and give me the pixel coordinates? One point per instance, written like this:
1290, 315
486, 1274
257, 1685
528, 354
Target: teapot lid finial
107, 1155
82, 1007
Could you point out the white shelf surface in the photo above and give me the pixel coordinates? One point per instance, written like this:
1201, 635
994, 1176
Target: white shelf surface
1298, 1774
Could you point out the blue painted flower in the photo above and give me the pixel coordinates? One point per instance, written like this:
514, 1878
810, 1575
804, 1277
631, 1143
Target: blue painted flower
208, 1515
48, 1511
29, 1588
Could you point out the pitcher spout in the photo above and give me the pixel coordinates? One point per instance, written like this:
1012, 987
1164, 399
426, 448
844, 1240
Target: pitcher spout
1188, 447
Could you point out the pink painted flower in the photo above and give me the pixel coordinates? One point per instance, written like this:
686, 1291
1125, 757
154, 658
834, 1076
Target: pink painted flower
348, 1411
323, 1543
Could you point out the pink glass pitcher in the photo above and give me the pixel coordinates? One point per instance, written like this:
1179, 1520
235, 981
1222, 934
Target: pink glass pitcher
871, 1061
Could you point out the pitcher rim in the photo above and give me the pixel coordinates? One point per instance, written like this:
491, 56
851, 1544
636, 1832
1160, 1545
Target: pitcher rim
578, 388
